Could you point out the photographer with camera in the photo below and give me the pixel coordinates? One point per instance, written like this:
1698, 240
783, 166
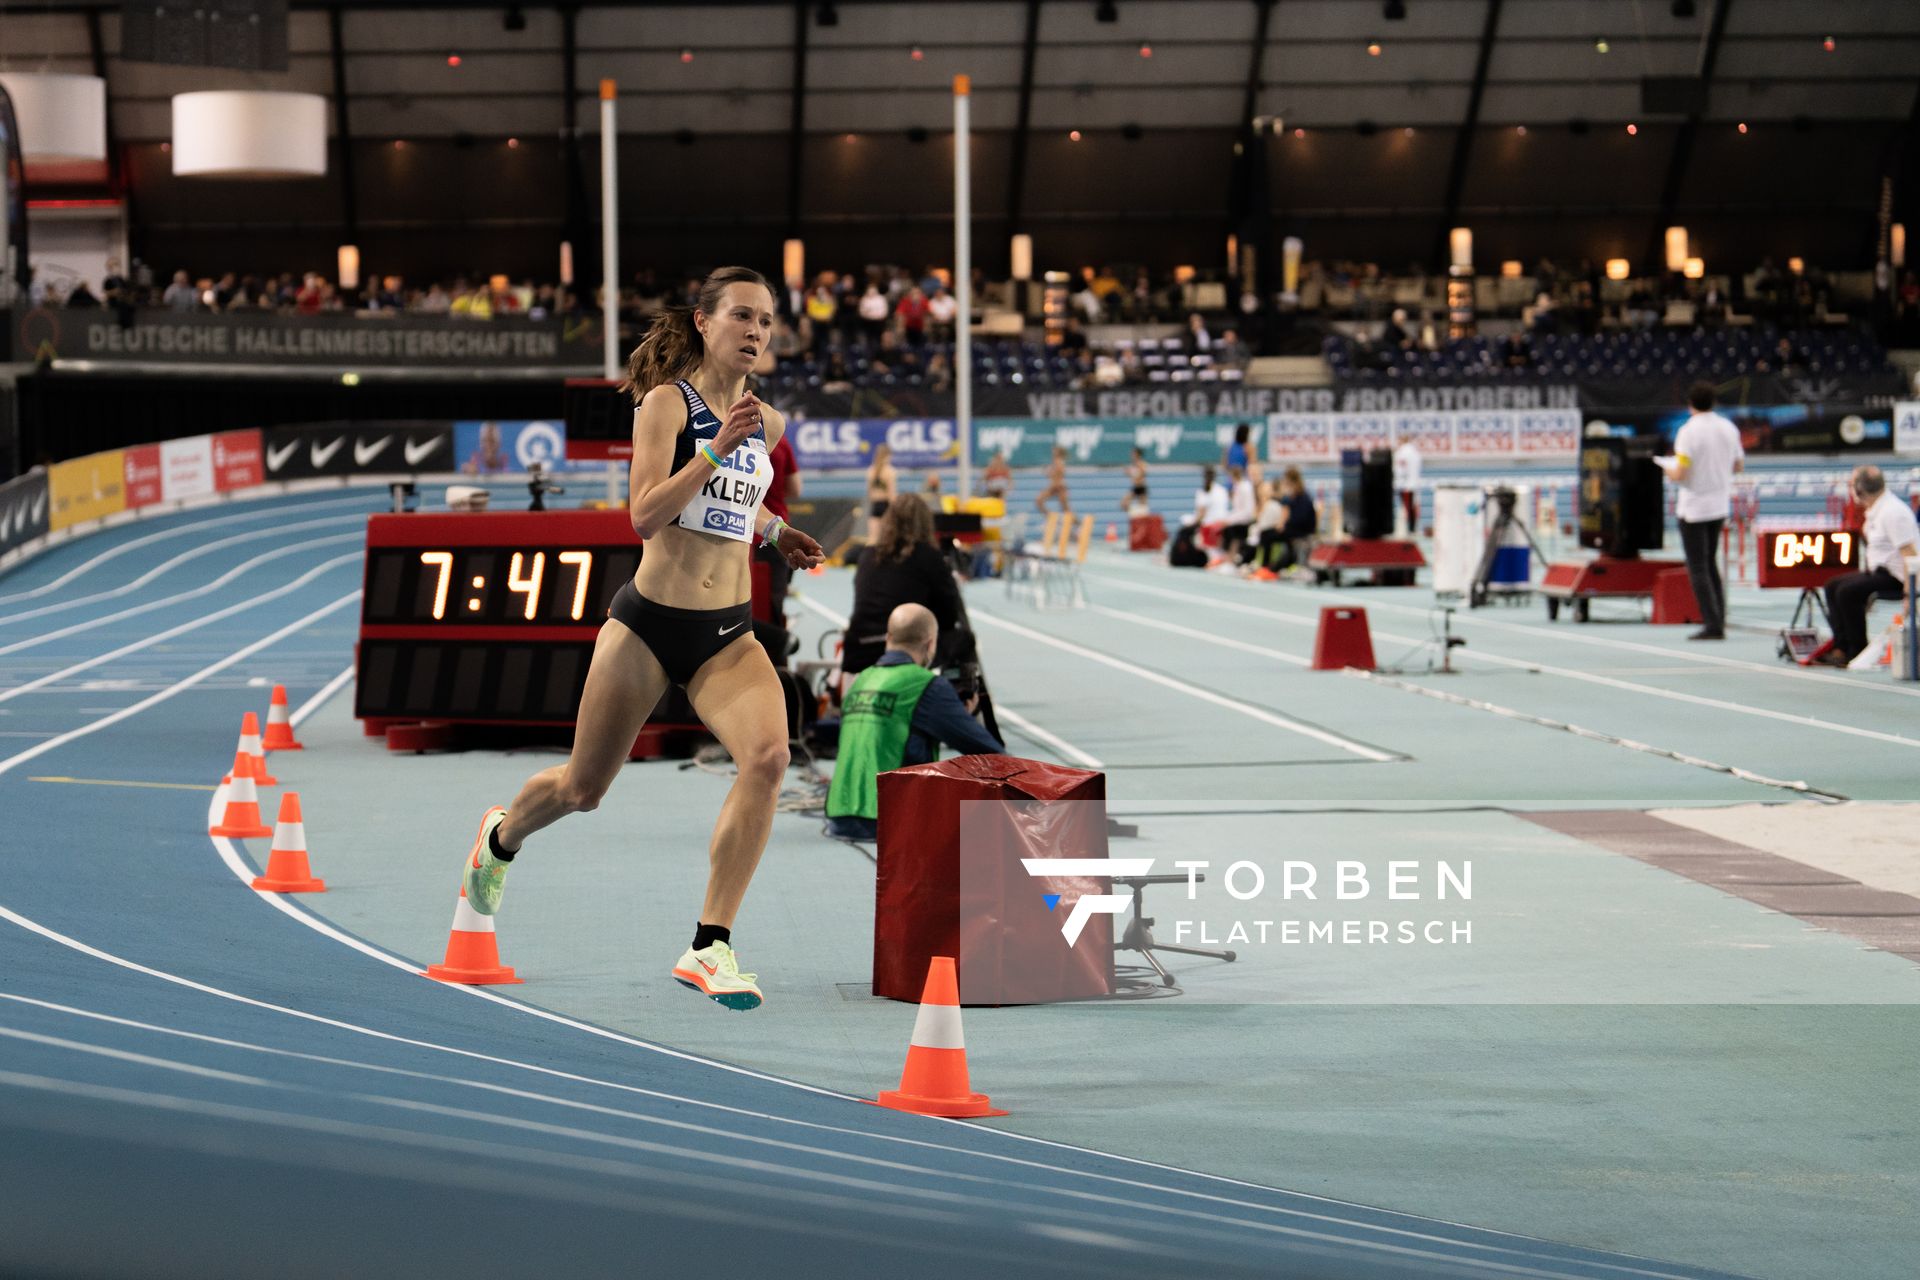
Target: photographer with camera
898, 712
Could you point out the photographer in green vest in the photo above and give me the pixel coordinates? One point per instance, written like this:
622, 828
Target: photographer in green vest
897, 713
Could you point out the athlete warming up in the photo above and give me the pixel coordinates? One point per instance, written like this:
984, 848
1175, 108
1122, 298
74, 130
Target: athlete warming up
698, 478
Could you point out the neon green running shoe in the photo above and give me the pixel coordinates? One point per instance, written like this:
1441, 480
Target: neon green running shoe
483, 875
714, 971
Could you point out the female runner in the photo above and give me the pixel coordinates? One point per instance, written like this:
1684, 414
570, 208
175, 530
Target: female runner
697, 480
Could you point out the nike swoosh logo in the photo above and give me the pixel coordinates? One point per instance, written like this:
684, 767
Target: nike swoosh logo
322, 455
363, 454
735, 627
416, 451
710, 968
277, 458
6, 522
39, 509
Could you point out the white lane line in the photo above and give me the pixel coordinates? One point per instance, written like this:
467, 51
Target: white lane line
1193, 691
181, 686
168, 601
318, 700
280, 510
1066, 749
151, 574
484, 1159
1212, 1220
192, 624
1039, 734
1566, 673
1578, 635
1195, 633
124, 1055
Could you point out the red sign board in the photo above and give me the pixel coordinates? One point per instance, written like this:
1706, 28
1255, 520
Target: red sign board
237, 460
141, 465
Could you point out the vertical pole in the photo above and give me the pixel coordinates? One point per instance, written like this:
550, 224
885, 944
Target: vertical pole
963, 285
609, 228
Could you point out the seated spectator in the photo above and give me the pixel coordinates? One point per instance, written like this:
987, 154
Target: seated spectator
1399, 331
1516, 352
82, 296
903, 565
899, 712
1231, 350
913, 312
1197, 340
942, 308
1785, 358
1890, 538
1241, 512
180, 295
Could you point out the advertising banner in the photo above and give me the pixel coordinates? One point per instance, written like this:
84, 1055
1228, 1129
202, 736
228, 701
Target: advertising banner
143, 475
239, 462
24, 510
1502, 433
822, 444
357, 448
343, 340
1906, 427
497, 448
87, 488
186, 468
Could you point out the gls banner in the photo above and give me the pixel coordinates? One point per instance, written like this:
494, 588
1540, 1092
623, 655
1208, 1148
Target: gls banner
358, 448
826, 444
1906, 426
24, 508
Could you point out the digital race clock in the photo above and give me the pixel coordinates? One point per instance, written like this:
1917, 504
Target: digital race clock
486, 617
1806, 558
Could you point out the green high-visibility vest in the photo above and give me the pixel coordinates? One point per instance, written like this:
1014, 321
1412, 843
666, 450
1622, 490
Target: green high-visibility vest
876, 717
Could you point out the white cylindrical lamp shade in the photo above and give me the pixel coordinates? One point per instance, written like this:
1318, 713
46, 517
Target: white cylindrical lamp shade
1022, 254
1693, 268
566, 262
1290, 251
1899, 244
348, 261
1460, 245
1676, 248
62, 118
793, 262
233, 133
1618, 269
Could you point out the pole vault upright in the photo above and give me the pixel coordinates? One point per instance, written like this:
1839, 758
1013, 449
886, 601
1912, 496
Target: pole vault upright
609, 228
963, 284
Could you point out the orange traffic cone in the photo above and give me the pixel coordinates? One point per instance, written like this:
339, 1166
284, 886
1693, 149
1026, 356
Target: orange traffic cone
1113, 532
251, 750
241, 817
934, 1082
279, 724
473, 957
287, 870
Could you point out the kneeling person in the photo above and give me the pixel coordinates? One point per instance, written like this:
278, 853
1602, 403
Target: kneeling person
898, 712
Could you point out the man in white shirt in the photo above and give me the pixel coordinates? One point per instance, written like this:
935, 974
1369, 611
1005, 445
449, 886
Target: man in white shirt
1706, 454
1891, 537
1406, 481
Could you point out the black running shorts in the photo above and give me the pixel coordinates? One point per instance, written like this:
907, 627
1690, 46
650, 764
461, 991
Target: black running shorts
682, 639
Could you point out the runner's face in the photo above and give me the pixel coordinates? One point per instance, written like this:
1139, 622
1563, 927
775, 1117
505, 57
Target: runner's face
739, 329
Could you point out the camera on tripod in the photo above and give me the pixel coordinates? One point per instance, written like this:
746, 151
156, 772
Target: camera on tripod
539, 485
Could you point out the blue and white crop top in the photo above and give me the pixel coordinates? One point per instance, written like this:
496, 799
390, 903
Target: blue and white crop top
730, 498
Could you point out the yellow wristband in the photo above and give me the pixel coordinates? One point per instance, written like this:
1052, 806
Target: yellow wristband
713, 459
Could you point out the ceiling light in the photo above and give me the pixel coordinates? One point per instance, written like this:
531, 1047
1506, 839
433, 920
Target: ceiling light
1600, 44
1395, 10
1373, 48
515, 19
916, 53
1106, 11
1743, 126
827, 16
1633, 130
513, 142
686, 55
1146, 50
1073, 135
453, 59
1299, 133
1827, 44
1520, 129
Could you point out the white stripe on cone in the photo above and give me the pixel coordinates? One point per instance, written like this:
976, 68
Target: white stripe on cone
289, 837
250, 743
937, 1026
467, 920
241, 790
